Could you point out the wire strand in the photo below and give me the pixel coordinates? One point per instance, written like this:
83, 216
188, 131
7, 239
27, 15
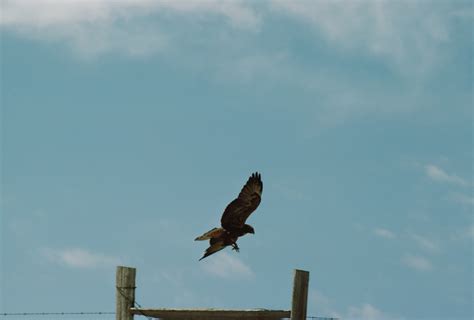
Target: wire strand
110, 313
133, 302
53, 313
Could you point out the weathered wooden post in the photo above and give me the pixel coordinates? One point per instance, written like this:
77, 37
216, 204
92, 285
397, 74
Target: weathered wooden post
300, 295
125, 292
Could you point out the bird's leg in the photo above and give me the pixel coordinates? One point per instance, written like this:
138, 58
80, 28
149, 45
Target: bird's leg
235, 247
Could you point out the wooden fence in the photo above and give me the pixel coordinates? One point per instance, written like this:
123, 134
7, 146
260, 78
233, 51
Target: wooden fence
125, 303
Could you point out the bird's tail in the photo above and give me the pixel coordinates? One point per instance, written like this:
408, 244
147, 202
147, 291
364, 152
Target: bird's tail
213, 249
214, 233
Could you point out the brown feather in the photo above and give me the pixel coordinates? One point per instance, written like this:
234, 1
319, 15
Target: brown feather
214, 233
237, 212
213, 249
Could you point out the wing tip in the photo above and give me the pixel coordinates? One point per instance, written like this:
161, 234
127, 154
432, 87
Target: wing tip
213, 249
200, 238
256, 175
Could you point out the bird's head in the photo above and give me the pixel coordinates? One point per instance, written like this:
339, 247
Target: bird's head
249, 229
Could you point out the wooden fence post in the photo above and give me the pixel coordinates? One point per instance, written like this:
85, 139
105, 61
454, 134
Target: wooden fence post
300, 295
125, 292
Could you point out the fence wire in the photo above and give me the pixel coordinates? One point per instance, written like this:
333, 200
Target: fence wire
55, 313
84, 315
99, 315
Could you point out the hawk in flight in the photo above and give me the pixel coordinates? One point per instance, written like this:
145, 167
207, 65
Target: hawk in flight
233, 219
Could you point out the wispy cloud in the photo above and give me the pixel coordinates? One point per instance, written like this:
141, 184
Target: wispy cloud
470, 232
177, 282
462, 198
44, 13
226, 266
384, 233
289, 191
130, 27
417, 262
467, 13
408, 33
320, 302
437, 174
425, 243
463, 234
225, 40
79, 258
367, 312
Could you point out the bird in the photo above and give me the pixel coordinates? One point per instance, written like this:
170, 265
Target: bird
234, 217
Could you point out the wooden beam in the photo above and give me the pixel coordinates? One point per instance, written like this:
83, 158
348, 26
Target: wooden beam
125, 292
199, 314
300, 295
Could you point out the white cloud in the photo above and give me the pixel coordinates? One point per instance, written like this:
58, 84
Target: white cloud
470, 232
408, 33
466, 13
417, 262
223, 39
79, 258
226, 266
462, 198
425, 243
319, 299
238, 14
43, 13
437, 174
367, 312
176, 281
131, 27
463, 234
319, 302
252, 66
384, 233
290, 191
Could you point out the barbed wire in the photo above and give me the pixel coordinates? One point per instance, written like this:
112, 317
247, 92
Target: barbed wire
54, 313
109, 313
133, 302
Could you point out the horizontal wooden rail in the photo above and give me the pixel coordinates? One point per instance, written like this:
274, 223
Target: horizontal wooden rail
125, 288
200, 314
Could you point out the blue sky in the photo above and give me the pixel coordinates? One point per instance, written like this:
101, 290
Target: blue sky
127, 127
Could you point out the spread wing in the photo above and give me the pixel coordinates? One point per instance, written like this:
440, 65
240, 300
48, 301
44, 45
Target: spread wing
213, 248
237, 212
